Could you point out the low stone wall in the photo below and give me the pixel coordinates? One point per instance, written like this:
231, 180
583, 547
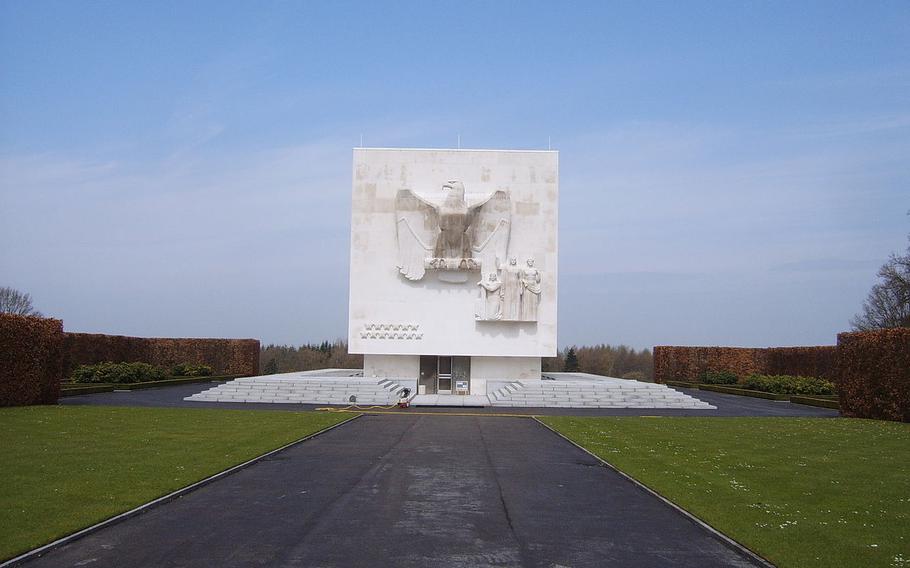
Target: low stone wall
224, 356
30, 360
675, 363
874, 369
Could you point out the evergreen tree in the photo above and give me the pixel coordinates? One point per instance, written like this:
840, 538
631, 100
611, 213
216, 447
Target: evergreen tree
571, 361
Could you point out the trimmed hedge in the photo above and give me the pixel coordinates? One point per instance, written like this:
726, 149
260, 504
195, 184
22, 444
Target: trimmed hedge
719, 378
188, 370
818, 361
224, 356
874, 368
674, 363
72, 389
31, 365
787, 384
744, 392
813, 401
109, 372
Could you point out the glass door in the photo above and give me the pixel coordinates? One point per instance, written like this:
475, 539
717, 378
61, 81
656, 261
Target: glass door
426, 382
444, 376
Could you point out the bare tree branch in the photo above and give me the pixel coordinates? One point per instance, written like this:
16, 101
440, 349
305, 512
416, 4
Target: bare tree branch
888, 303
15, 302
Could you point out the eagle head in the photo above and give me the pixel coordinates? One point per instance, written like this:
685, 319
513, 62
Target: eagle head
454, 186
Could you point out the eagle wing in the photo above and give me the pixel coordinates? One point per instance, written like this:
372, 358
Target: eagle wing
417, 223
491, 224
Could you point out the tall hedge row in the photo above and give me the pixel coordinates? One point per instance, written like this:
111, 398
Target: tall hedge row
874, 368
817, 361
31, 363
224, 356
871, 369
673, 363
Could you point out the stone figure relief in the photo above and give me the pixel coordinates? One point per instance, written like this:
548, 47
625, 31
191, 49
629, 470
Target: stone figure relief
453, 238
511, 291
451, 235
530, 291
490, 307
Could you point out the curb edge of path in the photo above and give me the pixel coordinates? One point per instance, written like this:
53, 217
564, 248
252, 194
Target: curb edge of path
41, 550
727, 541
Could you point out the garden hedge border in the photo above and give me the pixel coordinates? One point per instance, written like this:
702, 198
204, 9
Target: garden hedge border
812, 401
92, 389
30, 360
870, 368
688, 364
874, 369
745, 392
796, 399
224, 356
36, 356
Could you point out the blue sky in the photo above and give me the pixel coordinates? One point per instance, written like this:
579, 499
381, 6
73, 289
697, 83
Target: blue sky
731, 172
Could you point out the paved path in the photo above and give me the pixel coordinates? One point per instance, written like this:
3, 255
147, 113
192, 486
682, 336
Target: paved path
727, 404
440, 491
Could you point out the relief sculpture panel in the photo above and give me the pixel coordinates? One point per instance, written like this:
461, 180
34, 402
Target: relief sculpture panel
448, 235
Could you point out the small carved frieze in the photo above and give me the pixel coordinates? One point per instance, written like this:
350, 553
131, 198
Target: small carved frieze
391, 331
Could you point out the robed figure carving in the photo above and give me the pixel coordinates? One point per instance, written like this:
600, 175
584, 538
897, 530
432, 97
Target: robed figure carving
491, 295
530, 291
511, 291
441, 235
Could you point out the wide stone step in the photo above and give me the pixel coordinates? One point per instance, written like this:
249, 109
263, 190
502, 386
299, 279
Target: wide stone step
607, 393
300, 389
303, 390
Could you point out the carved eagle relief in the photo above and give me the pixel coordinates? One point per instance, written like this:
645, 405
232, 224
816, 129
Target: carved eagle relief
453, 234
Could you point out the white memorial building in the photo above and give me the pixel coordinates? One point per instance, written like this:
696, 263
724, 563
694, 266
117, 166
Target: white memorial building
454, 265
453, 287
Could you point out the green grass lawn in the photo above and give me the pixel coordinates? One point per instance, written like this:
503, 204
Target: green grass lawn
67, 467
799, 491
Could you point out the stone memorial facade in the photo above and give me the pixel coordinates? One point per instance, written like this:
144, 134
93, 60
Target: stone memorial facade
453, 278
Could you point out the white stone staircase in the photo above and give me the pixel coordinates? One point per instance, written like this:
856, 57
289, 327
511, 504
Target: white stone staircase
577, 390
295, 388
561, 390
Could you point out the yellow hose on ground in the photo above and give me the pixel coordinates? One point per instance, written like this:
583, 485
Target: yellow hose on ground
355, 408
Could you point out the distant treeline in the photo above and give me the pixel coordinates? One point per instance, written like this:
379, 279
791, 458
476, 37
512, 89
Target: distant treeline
612, 361
287, 358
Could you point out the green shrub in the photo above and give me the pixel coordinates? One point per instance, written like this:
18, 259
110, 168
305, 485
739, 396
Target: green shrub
788, 384
719, 378
109, 372
190, 370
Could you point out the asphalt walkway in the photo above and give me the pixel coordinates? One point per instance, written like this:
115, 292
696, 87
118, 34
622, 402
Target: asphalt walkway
441, 491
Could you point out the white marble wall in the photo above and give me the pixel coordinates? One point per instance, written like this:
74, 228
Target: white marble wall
444, 311
391, 366
505, 368
487, 373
